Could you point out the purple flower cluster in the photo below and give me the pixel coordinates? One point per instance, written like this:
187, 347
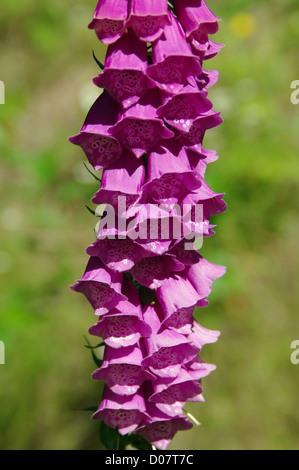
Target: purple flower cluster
145, 132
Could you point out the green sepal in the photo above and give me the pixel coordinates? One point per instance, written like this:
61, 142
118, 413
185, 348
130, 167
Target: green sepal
97, 61
94, 347
92, 174
91, 211
96, 360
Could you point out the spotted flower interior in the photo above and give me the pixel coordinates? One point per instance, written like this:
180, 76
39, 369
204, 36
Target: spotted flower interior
145, 277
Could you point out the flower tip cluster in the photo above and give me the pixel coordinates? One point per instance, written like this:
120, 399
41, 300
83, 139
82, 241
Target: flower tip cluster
145, 277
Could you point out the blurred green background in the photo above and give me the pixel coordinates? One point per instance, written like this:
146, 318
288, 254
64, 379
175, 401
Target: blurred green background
47, 66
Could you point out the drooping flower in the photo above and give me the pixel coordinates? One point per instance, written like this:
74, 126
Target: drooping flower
131, 172
192, 131
198, 22
173, 59
196, 17
139, 128
148, 18
124, 75
169, 174
144, 277
100, 146
189, 287
188, 103
167, 350
109, 20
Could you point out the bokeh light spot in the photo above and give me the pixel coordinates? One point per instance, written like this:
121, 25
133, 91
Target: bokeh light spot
243, 25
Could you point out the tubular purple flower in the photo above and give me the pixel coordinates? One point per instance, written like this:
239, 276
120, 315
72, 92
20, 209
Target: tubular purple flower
159, 428
109, 20
117, 254
153, 228
148, 18
169, 174
204, 47
123, 325
100, 147
120, 330
123, 178
188, 103
166, 350
189, 287
139, 128
152, 272
192, 131
196, 17
173, 59
212, 204
199, 158
123, 412
124, 75
101, 286
185, 257
201, 336
171, 397
207, 79
122, 370
199, 368
202, 275
179, 321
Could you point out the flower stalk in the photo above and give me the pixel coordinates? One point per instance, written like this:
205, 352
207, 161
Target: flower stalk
146, 131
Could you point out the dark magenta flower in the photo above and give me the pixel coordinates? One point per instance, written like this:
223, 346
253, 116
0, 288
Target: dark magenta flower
198, 22
118, 254
124, 75
148, 18
170, 175
139, 128
196, 17
100, 147
188, 103
192, 131
206, 79
101, 286
189, 287
122, 369
124, 178
120, 330
173, 59
167, 352
205, 48
109, 20
153, 272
